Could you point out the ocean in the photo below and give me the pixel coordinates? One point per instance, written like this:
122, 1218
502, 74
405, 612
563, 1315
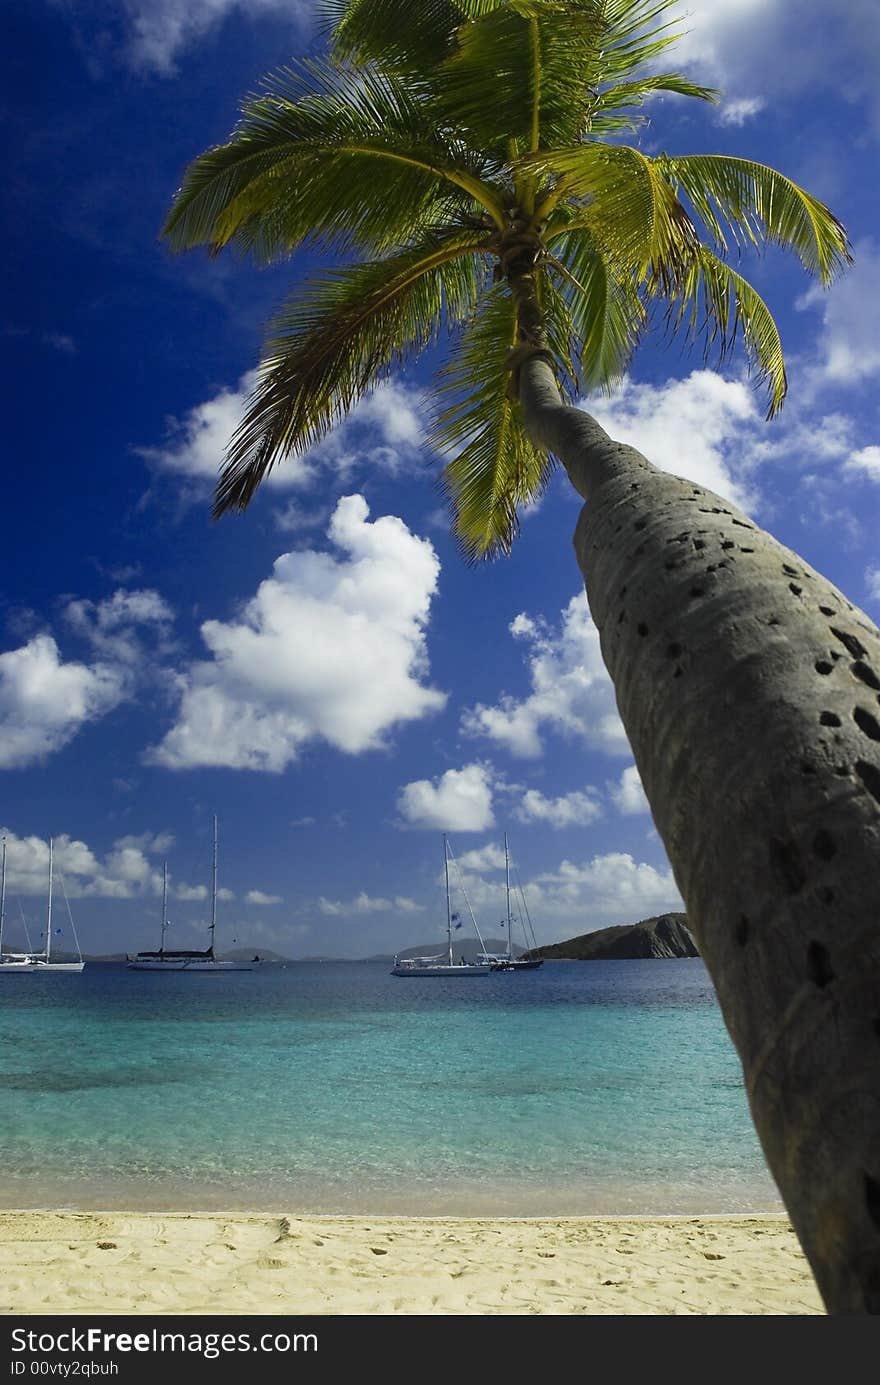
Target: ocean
334, 1087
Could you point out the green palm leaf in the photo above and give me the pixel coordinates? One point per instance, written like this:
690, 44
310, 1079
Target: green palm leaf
607, 314
336, 338
715, 302
494, 468
631, 210
322, 156
752, 202
436, 135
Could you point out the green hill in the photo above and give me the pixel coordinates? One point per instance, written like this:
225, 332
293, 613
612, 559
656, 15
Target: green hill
665, 936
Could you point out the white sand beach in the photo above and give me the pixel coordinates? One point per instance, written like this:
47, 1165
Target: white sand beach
104, 1263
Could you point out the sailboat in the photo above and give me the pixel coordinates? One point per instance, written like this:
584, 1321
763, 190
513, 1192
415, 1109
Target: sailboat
33, 962
166, 959
506, 961
12, 962
440, 965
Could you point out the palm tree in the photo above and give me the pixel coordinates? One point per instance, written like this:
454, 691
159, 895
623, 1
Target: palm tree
470, 164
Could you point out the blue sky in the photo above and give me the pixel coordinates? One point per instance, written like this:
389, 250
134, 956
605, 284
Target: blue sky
323, 672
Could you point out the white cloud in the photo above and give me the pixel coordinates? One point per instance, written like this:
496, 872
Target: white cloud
578, 897
737, 112
567, 811
850, 345
110, 626
748, 46
44, 702
627, 794
384, 431
489, 857
872, 582
613, 888
293, 519
189, 893
866, 461
365, 904
196, 444
329, 649
694, 427
571, 692
257, 897
124, 873
161, 30
460, 801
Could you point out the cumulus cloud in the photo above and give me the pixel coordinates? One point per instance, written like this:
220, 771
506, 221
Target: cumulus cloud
614, 888
489, 857
112, 626
850, 346
161, 30
196, 444
125, 872
627, 794
737, 112
866, 462
694, 427
459, 801
570, 810
330, 648
579, 896
189, 893
749, 46
385, 431
872, 582
366, 904
258, 897
44, 701
571, 692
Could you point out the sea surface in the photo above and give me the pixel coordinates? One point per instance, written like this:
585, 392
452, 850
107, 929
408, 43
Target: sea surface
579, 1088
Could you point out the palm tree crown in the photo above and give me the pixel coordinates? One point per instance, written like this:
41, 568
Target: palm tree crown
468, 162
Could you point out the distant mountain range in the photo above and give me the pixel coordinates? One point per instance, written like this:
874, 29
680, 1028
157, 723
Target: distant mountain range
665, 936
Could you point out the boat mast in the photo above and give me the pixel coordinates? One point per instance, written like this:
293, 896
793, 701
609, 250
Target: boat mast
448, 914
214, 889
2, 896
164, 905
507, 880
49, 912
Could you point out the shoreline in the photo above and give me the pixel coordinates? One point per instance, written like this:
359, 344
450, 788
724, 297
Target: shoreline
178, 1263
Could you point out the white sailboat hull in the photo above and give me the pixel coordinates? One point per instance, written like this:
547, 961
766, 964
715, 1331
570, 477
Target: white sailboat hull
18, 968
455, 969
185, 964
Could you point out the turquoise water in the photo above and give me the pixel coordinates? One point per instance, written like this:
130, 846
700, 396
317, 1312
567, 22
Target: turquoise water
335, 1087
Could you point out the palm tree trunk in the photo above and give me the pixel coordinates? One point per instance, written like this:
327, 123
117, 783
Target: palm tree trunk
750, 691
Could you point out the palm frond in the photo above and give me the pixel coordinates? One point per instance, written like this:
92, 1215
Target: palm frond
715, 302
540, 55
606, 312
610, 103
625, 201
494, 468
335, 338
341, 158
401, 34
751, 203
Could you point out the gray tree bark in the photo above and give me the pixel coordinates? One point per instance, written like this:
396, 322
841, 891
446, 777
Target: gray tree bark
749, 688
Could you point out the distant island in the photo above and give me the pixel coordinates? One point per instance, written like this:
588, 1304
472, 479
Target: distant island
665, 936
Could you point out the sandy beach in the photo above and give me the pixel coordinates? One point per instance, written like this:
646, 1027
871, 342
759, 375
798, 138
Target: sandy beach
75, 1263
